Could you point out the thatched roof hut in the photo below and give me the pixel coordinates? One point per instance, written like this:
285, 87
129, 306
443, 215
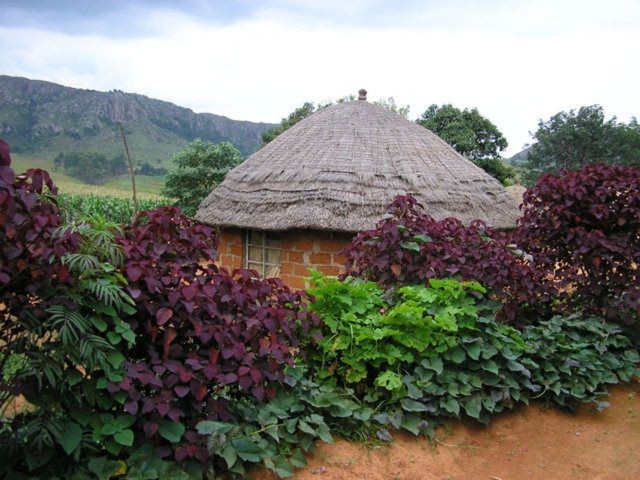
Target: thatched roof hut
337, 170
340, 167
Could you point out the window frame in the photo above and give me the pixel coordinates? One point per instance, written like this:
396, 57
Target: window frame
265, 266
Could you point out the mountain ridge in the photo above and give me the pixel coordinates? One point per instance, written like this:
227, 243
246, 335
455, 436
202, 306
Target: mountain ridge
43, 118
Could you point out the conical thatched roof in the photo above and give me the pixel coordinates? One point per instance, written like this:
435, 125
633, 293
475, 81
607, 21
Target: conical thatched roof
340, 167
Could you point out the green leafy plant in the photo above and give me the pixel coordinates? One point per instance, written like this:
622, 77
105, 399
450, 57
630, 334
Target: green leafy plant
575, 357
418, 355
71, 346
371, 335
279, 431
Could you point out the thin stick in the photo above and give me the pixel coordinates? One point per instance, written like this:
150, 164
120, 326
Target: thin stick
133, 177
461, 445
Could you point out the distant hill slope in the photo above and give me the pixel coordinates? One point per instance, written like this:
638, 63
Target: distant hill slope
42, 119
520, 157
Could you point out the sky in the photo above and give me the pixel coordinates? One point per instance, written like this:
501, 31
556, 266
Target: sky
516, 61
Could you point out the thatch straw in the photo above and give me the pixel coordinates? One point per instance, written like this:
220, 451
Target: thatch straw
340, 167
517, 192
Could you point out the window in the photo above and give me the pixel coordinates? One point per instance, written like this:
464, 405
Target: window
262, 253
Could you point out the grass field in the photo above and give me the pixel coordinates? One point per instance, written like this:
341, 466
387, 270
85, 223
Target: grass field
147, 187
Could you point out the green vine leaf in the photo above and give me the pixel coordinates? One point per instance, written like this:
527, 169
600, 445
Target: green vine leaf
70, 437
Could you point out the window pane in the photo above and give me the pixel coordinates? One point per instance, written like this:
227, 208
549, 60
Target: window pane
272, 256
254, 254
272, 241
256, 238
272, 272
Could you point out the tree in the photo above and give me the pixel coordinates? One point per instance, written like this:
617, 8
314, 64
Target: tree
294, 117
90, 167
472, 135
571, 140
200, 167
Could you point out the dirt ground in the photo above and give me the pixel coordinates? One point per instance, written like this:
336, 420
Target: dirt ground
528, 443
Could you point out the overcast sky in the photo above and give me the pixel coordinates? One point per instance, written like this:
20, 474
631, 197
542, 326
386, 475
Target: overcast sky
516, 61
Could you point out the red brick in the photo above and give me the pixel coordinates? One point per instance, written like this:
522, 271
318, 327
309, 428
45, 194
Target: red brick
286, 269
300, 270
338, 259
320, 259
303, 246
296, 283
333, 245
296, 257
328, 269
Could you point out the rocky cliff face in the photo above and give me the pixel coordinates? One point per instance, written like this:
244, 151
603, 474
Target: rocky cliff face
45, 118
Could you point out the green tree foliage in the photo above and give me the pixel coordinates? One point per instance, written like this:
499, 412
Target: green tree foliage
146, 168
472, 135
200, 167
390, 104
570, 140
93, 168
294, 117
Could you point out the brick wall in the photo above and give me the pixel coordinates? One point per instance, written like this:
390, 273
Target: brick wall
300, 250
231, 251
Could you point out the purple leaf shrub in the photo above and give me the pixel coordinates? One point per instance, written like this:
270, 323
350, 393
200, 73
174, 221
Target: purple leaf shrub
205, 337
410, 246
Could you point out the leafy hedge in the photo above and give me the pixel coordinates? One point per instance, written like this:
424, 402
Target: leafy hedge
371, 335
454, 358
409, 246
63, 302
141, 358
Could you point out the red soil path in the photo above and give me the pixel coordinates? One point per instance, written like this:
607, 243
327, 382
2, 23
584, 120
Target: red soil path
528, 443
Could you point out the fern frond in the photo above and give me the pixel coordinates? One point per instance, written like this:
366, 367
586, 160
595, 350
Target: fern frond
81, 262
70, 324
105, 291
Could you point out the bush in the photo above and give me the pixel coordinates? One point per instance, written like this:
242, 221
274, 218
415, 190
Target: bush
409, 246
208, 339
278, 432
91, 167
371, 336
584, 226
62, 304
459, 360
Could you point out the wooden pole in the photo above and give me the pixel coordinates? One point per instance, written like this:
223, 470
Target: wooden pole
133, 177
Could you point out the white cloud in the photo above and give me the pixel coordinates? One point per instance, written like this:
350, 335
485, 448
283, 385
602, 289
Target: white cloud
516, 64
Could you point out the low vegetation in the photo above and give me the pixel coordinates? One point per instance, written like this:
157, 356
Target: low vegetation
114, 209
140, 358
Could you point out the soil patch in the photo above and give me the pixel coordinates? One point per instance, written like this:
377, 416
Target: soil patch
528, 443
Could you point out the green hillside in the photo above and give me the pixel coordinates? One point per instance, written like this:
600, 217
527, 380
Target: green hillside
520, 157
41, 119
147, 187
